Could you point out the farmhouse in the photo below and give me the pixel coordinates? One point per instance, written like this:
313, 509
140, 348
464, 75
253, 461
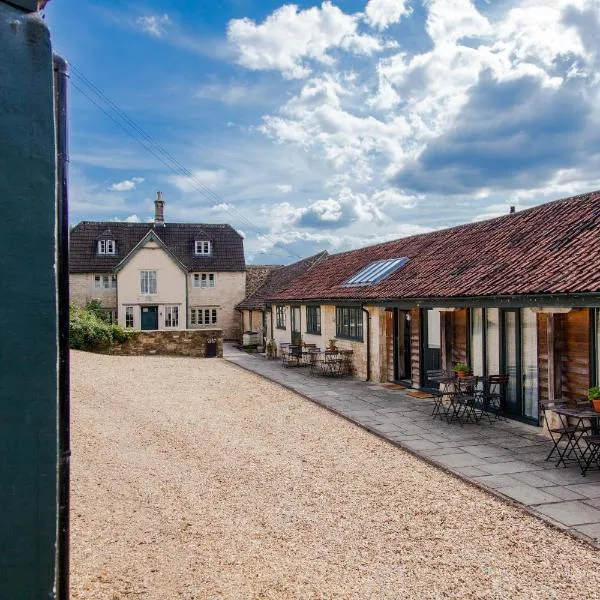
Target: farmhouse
160, 275
518, 294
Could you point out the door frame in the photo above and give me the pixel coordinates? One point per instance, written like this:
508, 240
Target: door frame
518, 415
155, 306
423, 341
396, 315
295, 328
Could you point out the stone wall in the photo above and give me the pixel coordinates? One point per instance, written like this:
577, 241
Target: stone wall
182, 342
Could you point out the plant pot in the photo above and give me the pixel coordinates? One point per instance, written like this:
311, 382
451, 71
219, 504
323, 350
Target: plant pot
596, 404
461, 373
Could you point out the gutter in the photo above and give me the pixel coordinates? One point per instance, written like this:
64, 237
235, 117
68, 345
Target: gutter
62, 274
368, 343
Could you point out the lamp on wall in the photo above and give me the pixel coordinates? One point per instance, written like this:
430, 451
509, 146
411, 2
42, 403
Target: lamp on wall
408, 316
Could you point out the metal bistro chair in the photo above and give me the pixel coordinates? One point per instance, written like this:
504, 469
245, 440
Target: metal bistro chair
593, 455
492, 396
444, 381
563, 433
463, 402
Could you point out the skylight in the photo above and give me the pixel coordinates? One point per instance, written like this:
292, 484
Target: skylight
376, 271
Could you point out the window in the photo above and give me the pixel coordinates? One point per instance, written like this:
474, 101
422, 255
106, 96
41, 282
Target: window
203, 280
148, 282
203, 316
203, 247
129, 316
376, 271
349, 322
106, 246
313, 319
105, 282
171, 316
280, 317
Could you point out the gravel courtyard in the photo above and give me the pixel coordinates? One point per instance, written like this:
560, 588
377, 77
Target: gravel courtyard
194, 479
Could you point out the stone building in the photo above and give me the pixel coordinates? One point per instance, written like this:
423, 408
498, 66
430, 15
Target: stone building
160, 275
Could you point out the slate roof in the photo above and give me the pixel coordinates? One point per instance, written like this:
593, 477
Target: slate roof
227, 245
278, 279
549, 249
256, 276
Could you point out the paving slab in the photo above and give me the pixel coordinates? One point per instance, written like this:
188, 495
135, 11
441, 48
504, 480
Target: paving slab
527, 494
589, 490
572, 512
592, 530
560, 491
513, 466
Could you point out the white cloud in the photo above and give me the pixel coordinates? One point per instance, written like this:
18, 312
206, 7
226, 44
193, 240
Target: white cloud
126, 185
129, 219
233, 94
198, 179
155, 25
288, 38
222, 207
383, 13
284, 188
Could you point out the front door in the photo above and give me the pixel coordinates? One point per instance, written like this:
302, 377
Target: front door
397, 329
431, 344
511, 360
149, 317
296, 330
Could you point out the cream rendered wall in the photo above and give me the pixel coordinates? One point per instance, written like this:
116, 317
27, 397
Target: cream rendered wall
170, 284
229, 291
359, 357
82, 290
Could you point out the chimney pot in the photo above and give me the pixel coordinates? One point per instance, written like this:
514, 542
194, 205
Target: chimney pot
512, 210
159, 209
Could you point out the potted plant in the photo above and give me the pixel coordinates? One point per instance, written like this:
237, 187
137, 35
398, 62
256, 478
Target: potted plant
594, 397
461, 369
332, 344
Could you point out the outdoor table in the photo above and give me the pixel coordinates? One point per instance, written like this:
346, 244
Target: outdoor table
573, 434
332, 362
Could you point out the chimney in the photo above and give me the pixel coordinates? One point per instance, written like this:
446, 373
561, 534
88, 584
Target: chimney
159, 209
512, 210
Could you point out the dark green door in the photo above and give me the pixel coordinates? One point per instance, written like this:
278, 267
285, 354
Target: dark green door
431, 344
149, 317
511, 360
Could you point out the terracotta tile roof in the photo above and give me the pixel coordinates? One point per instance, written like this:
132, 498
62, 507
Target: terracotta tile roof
227, 245
278, 279
256, 275
550, 249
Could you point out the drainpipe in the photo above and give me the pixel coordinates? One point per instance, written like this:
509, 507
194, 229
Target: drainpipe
368, 343
62, 269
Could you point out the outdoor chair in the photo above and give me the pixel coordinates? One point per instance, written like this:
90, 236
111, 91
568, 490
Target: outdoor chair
593, 455
463, 401
492, 396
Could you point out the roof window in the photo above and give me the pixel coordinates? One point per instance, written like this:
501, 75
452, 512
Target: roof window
202, 248
106, 246
376, 271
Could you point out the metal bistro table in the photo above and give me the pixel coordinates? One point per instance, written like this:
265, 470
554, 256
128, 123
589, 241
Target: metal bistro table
332, 363
574, 430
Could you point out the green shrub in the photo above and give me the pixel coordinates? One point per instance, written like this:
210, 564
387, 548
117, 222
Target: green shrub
594, 393
90, 331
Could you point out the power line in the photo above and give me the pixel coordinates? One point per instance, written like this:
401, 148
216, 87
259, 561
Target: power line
130, 127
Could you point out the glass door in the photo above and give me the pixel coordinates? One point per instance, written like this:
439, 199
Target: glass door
431, 344
296, 331
511, 360
529, 356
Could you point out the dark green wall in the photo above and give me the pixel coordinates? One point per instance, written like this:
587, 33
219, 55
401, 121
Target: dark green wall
28, 319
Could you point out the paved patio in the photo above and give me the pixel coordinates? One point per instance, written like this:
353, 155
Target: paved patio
506, 458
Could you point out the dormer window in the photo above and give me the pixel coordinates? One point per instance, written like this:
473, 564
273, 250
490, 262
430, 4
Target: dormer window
106, 246
203, 248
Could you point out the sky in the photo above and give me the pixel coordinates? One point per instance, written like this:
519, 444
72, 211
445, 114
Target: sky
328, 125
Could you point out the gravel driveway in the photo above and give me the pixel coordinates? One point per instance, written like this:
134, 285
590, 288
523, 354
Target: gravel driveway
194, 479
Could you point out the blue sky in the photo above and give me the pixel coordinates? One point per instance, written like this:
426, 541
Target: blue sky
331, 125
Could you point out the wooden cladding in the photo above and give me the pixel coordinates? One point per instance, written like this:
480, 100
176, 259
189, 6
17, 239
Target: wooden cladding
389, 344
460, 331
564, 355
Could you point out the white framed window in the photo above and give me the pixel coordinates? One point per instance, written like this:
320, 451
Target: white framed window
105, 282
148, 282
129, 316
106, 246
202, 247
171, 316
203, 280
203, 316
